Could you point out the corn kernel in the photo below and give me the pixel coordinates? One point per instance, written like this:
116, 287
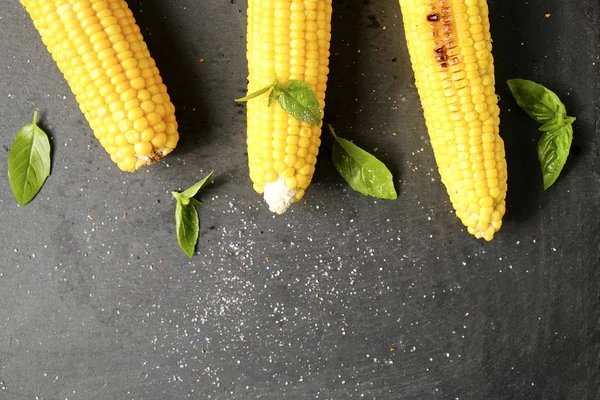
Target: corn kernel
133, 137
291, 182
159, 140
142, 148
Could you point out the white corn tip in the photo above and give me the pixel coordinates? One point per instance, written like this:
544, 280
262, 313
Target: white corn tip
278, 196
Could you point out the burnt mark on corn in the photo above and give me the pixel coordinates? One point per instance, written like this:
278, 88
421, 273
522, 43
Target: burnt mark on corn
442, 29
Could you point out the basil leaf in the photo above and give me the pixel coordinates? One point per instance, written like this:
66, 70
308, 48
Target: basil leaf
192, 191
29, 162
363, 172
540, 103
545, 107
553, 150
299, 101
187, 225
187, 221
255, 94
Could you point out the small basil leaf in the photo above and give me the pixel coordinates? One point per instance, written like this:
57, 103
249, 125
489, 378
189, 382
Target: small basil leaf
553, 150
192, 191
540, 103
299, 101
187, 221
255, 94
187, 225
363, 172
29, 162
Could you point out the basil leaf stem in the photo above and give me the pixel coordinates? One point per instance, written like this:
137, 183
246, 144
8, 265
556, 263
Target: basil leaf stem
255, 94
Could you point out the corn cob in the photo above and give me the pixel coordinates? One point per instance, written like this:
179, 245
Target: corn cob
450, 47
288, 39
98, 47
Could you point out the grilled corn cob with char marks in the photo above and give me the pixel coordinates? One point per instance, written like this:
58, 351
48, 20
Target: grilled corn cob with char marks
98, 47
450, 46
288, 39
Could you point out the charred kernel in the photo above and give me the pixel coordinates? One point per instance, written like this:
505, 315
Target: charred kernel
433, 17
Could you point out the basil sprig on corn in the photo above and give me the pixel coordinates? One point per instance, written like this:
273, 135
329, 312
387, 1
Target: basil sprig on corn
98, 47
450, 46
289, 40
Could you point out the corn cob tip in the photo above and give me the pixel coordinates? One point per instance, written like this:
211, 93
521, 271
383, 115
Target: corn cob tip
278, 196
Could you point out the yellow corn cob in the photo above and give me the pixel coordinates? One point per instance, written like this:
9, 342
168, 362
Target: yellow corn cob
288, 39
98, 47
450, 49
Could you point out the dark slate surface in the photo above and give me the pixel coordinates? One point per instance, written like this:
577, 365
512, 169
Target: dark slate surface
97, 304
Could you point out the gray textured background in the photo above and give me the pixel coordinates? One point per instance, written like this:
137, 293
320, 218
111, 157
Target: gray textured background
97, 304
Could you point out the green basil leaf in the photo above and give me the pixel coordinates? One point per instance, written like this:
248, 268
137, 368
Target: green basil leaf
187, 221
540, 103
363, 172
192, 191
299, 101
188, 226
255, 94
545, 107
553, 150
29, 162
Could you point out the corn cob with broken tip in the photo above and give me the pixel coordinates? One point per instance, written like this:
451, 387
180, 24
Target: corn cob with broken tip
98, 47
450, 46
288, 39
